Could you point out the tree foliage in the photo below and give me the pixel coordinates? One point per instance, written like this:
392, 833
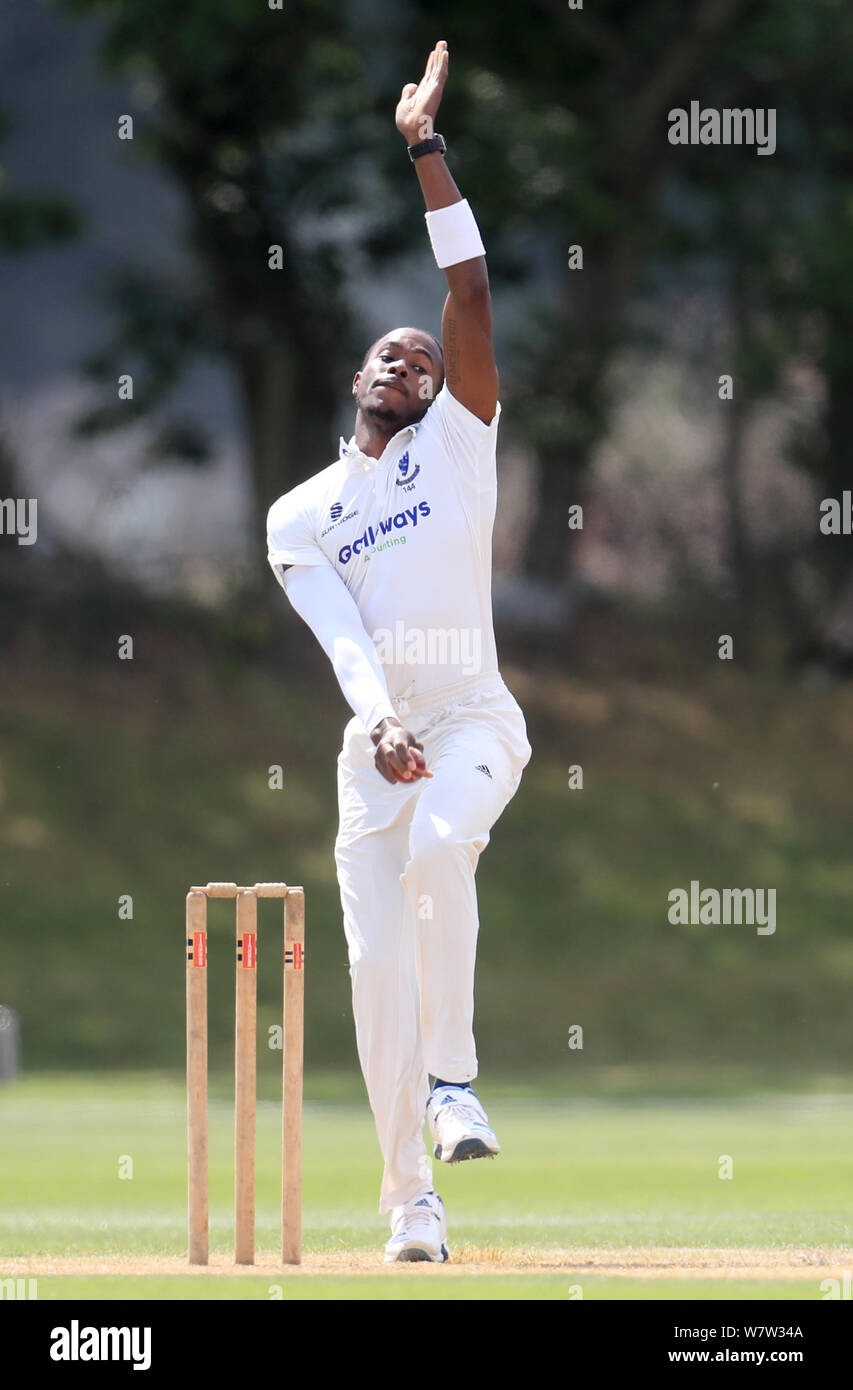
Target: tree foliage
278, 126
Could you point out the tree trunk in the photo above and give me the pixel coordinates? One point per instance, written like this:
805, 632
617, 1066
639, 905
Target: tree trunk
288, 431
593, 304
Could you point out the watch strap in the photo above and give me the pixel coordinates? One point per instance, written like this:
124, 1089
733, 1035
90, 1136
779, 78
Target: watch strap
435, 144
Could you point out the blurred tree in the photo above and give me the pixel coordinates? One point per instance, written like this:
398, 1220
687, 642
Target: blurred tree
814, 281
569, 147
277, 124
267, 119
560, 128
29, 221
778, 229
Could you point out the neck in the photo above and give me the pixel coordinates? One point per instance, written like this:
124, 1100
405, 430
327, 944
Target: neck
372, 435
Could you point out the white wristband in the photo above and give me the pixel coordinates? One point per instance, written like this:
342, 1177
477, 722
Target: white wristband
454, 234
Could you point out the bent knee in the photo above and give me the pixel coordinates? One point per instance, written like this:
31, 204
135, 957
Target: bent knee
437, 844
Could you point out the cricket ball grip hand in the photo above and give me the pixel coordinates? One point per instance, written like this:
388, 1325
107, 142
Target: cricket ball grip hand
393, 743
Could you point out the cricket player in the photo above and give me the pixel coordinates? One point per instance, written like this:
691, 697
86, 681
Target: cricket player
386, 555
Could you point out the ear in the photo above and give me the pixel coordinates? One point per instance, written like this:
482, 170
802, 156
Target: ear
356, 379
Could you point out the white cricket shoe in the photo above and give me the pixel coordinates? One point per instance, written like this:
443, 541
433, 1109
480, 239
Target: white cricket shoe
418, 1231
459, 1125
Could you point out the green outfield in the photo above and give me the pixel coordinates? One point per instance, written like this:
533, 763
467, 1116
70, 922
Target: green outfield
592, 1198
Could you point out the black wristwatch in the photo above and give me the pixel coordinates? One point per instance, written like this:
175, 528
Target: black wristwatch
435, 143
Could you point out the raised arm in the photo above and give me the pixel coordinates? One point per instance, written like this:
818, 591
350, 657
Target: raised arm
466, 323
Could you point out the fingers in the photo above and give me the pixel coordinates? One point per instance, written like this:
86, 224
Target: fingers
380, 761
399, 757
414, 774
392, 756
408, 91
436, 60
417, 765
416, 762
410, 758
384, 771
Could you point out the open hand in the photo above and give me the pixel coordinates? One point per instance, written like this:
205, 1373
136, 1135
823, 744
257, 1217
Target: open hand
419, 101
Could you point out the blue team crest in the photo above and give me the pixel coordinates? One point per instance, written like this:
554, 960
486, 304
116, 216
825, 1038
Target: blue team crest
406, 471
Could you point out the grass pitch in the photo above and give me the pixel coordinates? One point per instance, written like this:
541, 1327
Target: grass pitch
592, 1199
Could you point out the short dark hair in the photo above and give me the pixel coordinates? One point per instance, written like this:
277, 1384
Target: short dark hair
426, 334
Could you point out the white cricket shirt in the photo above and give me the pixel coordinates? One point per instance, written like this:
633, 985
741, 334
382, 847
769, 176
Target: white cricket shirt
410, 534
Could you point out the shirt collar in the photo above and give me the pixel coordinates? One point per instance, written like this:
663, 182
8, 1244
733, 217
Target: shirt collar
357, 462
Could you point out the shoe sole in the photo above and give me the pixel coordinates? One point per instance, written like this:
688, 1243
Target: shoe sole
467, 1148
418, 1256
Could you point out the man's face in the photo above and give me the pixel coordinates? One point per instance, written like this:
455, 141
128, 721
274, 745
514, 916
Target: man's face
399, 378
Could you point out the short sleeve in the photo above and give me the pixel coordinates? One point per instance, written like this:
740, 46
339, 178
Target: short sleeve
291, 535
464, 436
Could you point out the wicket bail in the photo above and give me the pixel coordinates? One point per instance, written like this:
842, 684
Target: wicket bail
245, 1076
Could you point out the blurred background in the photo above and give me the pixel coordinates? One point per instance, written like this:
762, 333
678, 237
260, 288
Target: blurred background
148, 256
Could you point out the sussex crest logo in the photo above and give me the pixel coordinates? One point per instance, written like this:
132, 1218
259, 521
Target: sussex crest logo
406, 473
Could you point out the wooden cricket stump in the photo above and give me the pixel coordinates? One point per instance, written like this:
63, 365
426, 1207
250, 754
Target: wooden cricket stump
291, 1077
245, 1068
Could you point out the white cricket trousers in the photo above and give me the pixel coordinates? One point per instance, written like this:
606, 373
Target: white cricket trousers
406, 857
